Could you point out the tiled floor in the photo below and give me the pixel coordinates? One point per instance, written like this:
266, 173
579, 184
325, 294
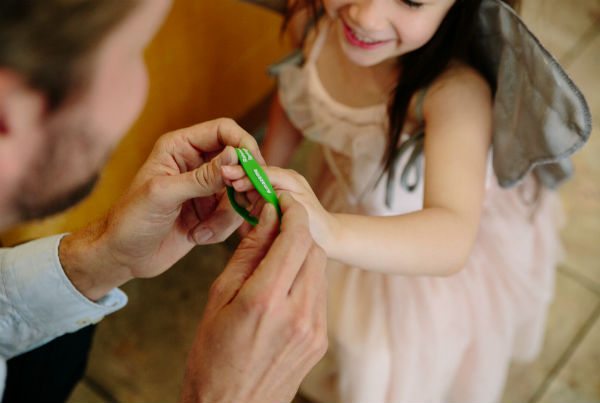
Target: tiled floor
139, 353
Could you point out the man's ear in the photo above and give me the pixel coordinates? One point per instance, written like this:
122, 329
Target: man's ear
3, 129
21, 107
4, 84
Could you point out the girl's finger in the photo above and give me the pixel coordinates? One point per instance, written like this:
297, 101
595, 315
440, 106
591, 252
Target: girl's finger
242, 185
232, 172
281, 179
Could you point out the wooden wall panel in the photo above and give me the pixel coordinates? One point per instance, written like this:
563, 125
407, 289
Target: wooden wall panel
207, 61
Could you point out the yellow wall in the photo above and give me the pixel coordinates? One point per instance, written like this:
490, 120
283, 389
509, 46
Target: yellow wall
208, 60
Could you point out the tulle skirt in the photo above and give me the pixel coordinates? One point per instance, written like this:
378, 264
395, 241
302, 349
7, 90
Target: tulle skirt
444, 339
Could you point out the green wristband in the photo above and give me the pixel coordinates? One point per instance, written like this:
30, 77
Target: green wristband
259, 180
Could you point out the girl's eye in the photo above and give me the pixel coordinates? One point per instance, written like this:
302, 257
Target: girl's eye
412, 4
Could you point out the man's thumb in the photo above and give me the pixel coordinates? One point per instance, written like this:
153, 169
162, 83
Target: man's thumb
207, 178
248, 255
204, 181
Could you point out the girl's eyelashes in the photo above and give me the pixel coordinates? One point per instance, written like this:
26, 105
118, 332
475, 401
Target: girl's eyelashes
412, 4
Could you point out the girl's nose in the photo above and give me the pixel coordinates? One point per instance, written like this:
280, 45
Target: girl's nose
370, 15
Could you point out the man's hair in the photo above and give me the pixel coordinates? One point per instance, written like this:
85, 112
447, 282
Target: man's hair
48, 42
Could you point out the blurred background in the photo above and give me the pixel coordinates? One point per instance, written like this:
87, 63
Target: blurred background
209, 60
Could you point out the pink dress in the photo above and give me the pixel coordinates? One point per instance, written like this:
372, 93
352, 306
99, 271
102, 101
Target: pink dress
423, 339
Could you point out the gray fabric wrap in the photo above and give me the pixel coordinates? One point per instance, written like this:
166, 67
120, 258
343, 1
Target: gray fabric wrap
540, 116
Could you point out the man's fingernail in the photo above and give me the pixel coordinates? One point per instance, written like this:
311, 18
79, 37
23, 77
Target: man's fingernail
202, 234
230, 155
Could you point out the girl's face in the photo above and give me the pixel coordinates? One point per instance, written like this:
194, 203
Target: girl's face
374, 31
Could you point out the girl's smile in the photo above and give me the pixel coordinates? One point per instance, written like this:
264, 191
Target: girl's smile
357, 39
371, 32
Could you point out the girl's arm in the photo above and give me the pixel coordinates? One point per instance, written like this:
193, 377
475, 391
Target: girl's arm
438, 239
282, 137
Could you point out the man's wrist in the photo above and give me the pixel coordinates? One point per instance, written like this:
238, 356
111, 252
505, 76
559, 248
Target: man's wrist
87, 262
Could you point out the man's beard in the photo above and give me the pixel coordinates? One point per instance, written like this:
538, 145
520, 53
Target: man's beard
69, 150
32, 210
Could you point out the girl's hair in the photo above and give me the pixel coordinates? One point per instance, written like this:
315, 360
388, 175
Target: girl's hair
452, 41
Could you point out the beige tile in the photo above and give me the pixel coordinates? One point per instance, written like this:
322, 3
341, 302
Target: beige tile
559, 24
584, 71
572, 306
581, 236
579, 379
581, 195
582, 239
84, 394
139, 353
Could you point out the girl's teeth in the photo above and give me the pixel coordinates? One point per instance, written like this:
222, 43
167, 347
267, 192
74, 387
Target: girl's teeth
362, 38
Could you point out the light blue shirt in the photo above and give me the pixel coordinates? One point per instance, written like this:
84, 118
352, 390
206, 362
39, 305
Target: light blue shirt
38, 302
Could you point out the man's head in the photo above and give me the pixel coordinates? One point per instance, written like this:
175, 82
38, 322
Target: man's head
72, 80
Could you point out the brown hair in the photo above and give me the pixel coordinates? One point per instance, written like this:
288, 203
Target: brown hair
49, 41
421, 66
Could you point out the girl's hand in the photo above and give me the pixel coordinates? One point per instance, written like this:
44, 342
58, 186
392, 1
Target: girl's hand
323, 225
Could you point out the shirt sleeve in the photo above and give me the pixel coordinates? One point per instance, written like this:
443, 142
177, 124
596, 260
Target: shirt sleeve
38, 302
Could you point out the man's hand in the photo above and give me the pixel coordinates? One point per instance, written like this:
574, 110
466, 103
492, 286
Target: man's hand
175, 202
264, 326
